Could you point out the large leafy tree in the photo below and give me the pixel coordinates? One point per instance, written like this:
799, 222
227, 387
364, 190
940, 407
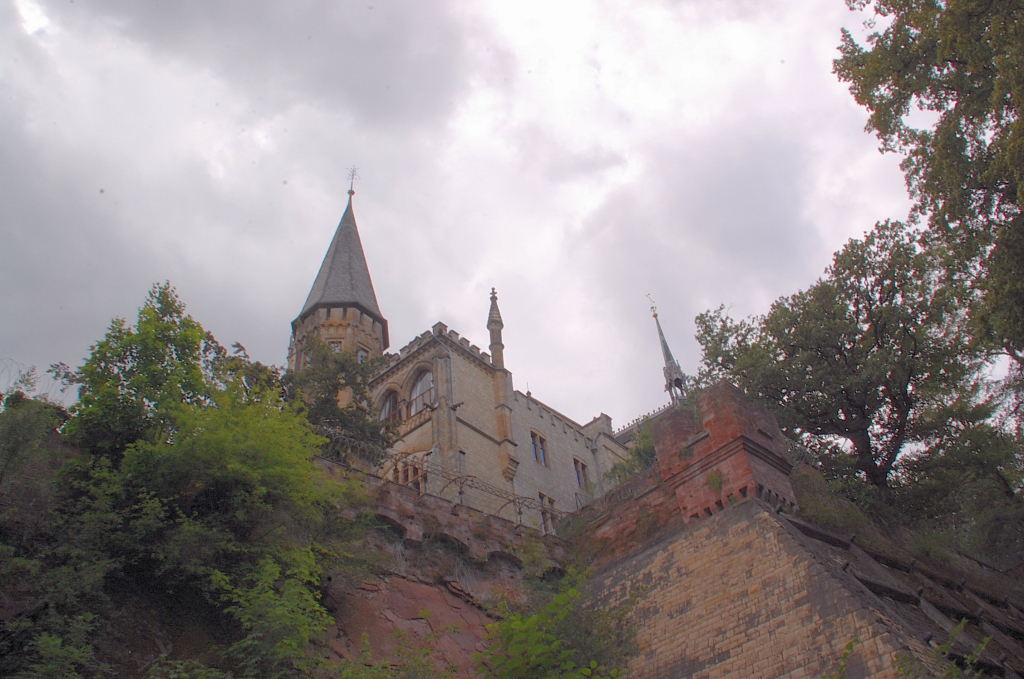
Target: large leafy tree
201, 484
135, 376
870, 360
961, 62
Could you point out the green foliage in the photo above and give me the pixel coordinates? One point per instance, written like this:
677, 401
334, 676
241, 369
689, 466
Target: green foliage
911, 668
715, 481
962, 496
329, 375
200, 483
959, 60
871, 359
641, 456
844, 659
409, 662
528, 647
183, 669
280, 614
67, 657
26, 459
585, 634
136, 376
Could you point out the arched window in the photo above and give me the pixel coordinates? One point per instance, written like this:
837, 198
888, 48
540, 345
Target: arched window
389, 408
422, 393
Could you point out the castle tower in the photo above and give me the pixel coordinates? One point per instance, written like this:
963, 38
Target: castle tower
675, 379
342, 307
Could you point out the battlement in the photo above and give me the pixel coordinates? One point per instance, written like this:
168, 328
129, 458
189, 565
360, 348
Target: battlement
725, 450
626, 432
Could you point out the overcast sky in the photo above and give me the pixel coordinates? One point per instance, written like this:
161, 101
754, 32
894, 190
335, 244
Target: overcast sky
577, 156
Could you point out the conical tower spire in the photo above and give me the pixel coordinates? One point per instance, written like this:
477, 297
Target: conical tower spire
341, 309
675, 379
344, 277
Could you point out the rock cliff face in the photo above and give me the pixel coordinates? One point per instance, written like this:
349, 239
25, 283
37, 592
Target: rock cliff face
397, 613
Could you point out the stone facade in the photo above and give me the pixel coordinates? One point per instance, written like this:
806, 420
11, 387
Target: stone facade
465, 433
476, 425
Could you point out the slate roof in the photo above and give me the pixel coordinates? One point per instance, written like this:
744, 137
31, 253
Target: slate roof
344, 278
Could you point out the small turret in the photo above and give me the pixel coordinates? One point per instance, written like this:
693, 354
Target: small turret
494, 325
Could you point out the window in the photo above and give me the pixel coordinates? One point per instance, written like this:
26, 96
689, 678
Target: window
422, 393
328, 314
540, 448
411, 473
582, 480
362, 355
389, 408
335, 346
547, 513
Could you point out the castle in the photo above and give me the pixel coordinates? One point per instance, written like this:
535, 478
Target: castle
464, 430
729, 582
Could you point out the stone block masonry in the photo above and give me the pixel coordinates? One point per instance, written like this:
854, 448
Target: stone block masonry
739, 596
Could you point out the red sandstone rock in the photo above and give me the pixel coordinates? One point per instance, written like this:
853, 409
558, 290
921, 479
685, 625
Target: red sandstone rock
426, 615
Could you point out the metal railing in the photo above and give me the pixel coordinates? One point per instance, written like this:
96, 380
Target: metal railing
341, 448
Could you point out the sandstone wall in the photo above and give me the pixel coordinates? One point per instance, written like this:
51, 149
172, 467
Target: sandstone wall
738, 595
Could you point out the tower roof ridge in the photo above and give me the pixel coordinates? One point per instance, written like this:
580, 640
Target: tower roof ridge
344, 277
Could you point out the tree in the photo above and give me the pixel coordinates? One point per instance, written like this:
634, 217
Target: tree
135, 375
871, 359
334, 387
528, 648
962, 61
962, 495
201, 484
25, 425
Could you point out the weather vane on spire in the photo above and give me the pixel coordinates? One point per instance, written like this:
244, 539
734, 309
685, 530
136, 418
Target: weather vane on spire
353, 175
654, 308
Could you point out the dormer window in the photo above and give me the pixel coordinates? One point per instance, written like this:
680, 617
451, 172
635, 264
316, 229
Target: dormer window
422, 393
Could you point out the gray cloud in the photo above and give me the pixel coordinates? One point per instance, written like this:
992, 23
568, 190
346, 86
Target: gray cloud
384, 62
220, 135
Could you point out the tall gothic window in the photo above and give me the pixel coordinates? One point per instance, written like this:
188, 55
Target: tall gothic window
540, 447
582, 478
389, 407
422, 393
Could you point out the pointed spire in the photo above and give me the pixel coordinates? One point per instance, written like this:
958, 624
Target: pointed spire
675, 379
344, 277
494, 316
494, 325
